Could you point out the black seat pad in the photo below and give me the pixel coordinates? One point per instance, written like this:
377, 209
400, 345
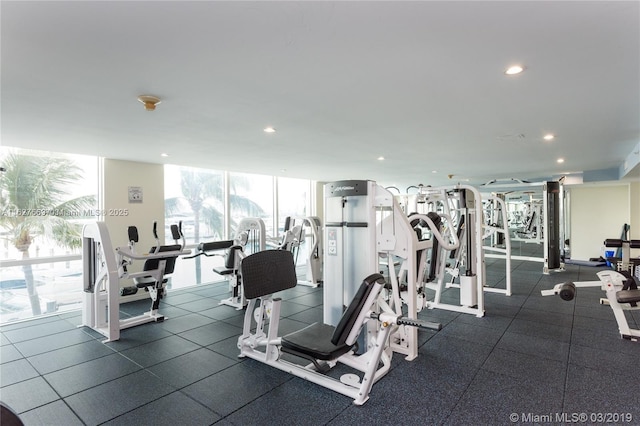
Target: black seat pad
628, 296
314, 341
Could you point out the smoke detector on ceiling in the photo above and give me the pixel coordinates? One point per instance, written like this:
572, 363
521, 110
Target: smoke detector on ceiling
149, 101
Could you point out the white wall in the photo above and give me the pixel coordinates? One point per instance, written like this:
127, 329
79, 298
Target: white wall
634, 201
598, 213
118, 176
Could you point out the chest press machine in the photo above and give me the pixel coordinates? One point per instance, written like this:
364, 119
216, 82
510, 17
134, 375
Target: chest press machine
103, 267
269, 272
621, 288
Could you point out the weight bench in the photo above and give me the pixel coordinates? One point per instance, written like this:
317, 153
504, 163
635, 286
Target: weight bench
268, 272
624, 262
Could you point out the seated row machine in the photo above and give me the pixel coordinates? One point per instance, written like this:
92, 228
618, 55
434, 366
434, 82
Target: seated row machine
233, 255
104, 267
269, 272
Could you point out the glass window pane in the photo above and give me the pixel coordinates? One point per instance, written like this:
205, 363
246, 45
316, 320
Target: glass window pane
294, 198
194, 197
45, 199
251, 196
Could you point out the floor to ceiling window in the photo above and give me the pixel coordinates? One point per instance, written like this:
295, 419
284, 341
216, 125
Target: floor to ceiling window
45, 199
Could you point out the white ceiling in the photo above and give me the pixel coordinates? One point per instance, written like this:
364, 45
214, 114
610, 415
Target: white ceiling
420, 83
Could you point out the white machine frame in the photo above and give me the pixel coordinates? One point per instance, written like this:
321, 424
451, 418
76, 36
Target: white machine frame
260, 341
103, 268
313, 275
611, 282
472, 286
543, 221
246, 227
365, 228
492, 228
306, 230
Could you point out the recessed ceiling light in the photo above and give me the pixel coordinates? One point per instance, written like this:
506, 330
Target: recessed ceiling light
514, 69
269, 130
434, 171
548, 137
560, 160
164, 154
381, 158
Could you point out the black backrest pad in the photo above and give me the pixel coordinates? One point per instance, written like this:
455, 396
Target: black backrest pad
151, 264
230, 260
133, 234
267, 272
350, 316
175, 232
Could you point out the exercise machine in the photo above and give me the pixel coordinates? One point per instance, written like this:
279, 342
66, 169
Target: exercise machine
496, 232
545, 216
462, 205
233, 253
250, 237
104, 267
352, 211
460, 212
623, 260
622, 294
305, 232
319, 345
366, 230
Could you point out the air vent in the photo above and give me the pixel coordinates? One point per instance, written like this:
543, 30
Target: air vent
516, 138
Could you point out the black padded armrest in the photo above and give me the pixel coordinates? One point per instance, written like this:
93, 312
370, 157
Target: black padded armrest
215, 245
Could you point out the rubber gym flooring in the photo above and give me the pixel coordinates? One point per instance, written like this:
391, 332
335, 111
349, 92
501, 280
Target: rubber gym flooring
530, 359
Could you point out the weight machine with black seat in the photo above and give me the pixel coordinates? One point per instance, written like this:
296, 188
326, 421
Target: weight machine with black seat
103, 267
623, 260
456, 211
621, 287
272, 271
233, 255
250, 237
622, 294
